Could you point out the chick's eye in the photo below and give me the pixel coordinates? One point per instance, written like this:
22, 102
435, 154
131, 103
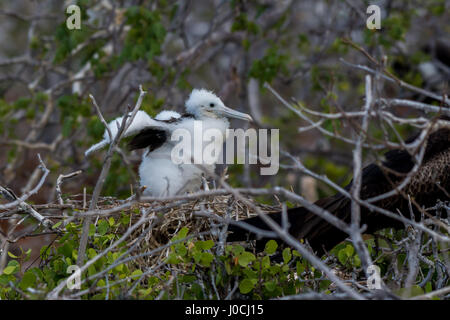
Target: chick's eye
212, 105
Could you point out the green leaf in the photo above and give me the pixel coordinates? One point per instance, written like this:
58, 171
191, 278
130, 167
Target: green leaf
410, 292
206, 259
349, 250
125, 220
181, 249
228, 267
56, 225
92, 270
188, 278
197, 256
181, 234
10, 270
324, 284
245, 258
270, 285
66, 249
250, 274
265, 262
136, 274
172, 259
14, 263
91, 229
101, 283
287, 255
238, 249
271, 247
28, 280
296, 253
102, 227
246, 286
342, 256
43, 253
27, 253
91, 253
145, 292
12, 256
356, 261
204, 245
208, 244
4, 280
300, 268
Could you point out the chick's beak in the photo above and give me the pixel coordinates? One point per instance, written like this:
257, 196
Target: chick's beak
230, 113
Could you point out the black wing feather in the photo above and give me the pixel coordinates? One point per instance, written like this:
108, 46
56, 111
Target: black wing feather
152, 138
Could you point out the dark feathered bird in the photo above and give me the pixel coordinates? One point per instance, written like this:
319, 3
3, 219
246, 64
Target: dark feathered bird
428, 185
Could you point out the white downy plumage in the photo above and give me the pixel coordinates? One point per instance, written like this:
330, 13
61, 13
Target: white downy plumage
158, 172
140, 121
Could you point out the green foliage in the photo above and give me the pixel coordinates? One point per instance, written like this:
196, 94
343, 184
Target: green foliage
268, 67
142, 42
67, 40
380, 248
202, 270
151, 104
348, 257
95, 127
145, 37
259, 277
322, 77
58, 257
394, 29
410, 292
73, 108
197, 261
436, 7
338, 47
303, 42
271, 247
241, 23
118, 180
32, 105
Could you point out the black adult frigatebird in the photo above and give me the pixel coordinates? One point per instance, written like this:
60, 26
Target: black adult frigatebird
430, 183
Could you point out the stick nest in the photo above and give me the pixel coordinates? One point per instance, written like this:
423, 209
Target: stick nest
167, 222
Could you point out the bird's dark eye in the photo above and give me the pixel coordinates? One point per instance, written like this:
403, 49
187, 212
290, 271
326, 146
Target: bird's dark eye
212, 105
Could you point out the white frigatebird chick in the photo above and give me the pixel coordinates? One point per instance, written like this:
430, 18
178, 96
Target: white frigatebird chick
158, 172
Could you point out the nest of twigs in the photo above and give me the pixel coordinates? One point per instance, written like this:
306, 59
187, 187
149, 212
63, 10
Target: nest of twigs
163, 224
